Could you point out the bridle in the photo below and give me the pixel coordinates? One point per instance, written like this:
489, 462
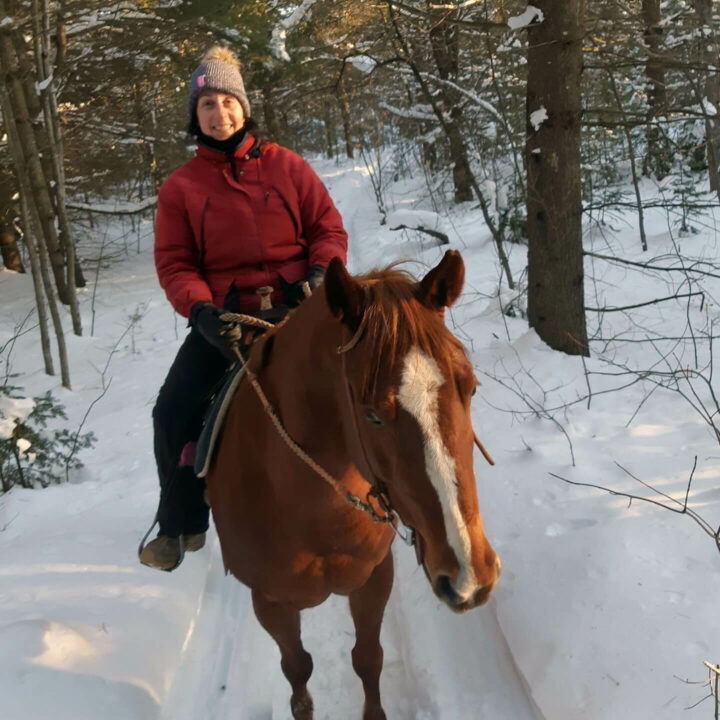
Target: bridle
378, 489
378, 493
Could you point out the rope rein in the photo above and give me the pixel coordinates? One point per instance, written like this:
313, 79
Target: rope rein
349, 497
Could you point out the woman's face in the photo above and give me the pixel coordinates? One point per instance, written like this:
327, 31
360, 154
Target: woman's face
219, 115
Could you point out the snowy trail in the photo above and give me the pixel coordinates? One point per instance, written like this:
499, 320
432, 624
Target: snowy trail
438, 666
451, 667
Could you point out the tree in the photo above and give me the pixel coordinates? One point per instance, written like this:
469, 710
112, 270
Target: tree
555, 257
709, 51
658, 158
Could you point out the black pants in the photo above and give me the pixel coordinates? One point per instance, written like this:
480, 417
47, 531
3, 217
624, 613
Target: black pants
195, 374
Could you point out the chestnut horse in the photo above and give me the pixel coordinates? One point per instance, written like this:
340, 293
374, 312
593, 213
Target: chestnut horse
365, 377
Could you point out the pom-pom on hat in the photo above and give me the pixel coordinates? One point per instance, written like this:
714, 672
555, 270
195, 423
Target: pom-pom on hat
218, 71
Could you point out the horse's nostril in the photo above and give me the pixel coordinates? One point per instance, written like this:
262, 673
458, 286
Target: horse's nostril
445, 591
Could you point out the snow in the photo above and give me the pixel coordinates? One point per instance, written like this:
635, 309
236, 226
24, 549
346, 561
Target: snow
12, 411
528, 17
604, 608
538, 117
418, 112
363, 63
278, 36
708, 108
44, 85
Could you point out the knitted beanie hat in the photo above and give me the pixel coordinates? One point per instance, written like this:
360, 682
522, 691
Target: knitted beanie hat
218, 71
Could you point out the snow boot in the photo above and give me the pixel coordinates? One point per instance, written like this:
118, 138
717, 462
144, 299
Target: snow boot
164, 553
194, 542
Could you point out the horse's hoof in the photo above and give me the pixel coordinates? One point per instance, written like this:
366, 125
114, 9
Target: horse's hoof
376, 713
302, 707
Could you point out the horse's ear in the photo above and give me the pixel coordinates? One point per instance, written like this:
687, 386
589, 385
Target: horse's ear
441, 287
344, 296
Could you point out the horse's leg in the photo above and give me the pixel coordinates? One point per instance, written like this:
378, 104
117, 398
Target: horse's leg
283, 623
367, 606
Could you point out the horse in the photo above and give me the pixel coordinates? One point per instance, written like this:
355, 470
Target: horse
364, 387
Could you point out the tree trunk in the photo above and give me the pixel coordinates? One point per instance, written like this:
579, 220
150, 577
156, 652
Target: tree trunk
445, 44
40, 305
9, 250
658, 160
269, 113
344, 106
8, 246
555, 258
73, 272
38, 259
60, 33
330, 138
709, 50
40, 202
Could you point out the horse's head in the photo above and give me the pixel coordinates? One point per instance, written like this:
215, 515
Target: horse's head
410, 387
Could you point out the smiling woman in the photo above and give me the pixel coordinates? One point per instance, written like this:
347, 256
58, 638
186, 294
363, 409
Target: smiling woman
240, 216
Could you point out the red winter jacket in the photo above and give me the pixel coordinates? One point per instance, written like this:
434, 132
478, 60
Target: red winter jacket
211, 230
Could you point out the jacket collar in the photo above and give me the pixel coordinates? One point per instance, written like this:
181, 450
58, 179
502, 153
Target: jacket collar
217, 156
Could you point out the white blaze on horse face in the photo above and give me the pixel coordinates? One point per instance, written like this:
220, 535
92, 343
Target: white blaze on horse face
418, 394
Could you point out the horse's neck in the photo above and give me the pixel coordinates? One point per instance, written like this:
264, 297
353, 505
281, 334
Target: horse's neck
305, 378
303, 375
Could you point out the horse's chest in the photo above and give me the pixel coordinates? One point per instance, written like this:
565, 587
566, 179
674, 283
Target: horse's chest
310, 579
305, 576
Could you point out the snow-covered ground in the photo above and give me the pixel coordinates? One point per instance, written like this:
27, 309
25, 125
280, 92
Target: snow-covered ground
605, 607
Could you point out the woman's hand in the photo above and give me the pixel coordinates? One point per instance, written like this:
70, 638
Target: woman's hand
225, 335
295, 293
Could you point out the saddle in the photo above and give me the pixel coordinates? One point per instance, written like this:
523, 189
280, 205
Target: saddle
214, 421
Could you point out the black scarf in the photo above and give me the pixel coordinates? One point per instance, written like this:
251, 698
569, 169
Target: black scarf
227, 146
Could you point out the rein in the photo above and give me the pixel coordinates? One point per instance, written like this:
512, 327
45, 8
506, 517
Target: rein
349, 497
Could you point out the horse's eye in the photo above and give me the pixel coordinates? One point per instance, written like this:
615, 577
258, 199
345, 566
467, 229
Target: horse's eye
474, 390
372, 417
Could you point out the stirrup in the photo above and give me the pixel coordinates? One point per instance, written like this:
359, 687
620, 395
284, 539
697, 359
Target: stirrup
143, 542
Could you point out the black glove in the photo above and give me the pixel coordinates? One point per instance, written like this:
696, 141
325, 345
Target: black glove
294, 293
315, 276
225, 335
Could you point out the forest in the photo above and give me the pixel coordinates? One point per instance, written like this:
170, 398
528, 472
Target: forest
570, 151
545, 123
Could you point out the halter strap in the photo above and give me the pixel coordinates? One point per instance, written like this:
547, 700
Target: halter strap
378, 490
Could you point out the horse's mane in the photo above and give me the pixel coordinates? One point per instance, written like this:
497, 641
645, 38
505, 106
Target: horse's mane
396, 321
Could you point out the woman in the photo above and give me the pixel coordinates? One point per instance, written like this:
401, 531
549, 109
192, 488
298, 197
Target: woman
240, 215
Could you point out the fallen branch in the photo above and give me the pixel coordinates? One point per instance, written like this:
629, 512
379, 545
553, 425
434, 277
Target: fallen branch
129, 208
440, 236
